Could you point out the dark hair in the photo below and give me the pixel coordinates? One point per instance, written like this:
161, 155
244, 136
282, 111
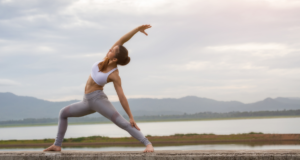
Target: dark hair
122, 57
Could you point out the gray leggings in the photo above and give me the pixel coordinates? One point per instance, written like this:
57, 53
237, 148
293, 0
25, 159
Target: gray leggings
95, 102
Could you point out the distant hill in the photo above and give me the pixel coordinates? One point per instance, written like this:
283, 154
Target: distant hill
13, 107
18, 107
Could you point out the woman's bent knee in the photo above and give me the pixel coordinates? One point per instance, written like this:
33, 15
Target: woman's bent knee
63, 113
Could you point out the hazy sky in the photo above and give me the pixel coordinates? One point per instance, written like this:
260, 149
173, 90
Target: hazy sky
244, 50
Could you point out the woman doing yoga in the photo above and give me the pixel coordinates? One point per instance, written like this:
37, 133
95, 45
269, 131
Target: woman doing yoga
95, 100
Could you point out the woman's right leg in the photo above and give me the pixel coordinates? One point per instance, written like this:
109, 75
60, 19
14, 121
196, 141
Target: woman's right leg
78, 109
103, 106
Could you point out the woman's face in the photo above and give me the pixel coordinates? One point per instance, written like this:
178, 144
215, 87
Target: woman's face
112, 52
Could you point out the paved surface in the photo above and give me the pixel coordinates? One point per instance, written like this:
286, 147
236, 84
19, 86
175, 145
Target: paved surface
157, 155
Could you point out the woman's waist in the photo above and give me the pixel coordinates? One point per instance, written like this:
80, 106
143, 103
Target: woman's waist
94, 94
92, 88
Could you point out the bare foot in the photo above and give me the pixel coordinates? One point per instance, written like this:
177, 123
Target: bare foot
53, 148
149, 148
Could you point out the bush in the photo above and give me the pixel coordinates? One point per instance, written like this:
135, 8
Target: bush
79, 139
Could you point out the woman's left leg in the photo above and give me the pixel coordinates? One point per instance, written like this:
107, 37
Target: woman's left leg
104, 107
77, 109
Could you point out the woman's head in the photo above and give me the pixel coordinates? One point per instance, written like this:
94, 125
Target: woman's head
121, 54
118, 54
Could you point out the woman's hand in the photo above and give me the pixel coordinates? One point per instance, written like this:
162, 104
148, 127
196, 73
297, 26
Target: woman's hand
142, 28
128, 36
133, 124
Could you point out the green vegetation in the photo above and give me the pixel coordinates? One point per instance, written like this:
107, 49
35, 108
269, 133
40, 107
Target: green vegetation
158, 118
253, 133
192, 134
87, 139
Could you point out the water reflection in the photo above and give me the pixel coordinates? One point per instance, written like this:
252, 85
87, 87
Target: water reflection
219, 127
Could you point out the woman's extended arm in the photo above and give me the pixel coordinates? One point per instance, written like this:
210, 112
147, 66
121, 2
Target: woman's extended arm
123, 100
128, 36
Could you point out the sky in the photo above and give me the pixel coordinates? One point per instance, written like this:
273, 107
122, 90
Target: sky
243, 50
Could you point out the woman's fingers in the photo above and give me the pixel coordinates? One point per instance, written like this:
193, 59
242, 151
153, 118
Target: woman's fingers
136, 126
132, 124
144, 27
147, 26
145, 33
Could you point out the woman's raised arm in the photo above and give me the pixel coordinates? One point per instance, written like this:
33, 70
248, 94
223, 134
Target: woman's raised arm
128, 36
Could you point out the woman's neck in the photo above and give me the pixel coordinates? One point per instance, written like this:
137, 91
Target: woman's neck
112, 64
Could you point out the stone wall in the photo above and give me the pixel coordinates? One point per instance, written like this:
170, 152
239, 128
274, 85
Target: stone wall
157, 155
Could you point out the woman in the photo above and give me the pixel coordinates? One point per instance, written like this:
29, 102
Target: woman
95, 100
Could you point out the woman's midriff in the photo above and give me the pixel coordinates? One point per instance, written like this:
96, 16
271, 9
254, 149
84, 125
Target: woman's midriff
92, 86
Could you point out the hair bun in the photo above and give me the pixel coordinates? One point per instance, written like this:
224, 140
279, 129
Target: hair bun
122, 56
127, 60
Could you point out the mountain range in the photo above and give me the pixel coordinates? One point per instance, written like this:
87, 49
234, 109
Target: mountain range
13, 107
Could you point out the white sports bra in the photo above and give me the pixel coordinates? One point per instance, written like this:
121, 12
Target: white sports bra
99, 77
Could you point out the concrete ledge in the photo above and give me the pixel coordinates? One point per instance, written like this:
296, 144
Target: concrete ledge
157, 155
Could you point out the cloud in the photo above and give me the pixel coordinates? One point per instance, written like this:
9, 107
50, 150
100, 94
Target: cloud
8, 82
227, 50
249, 47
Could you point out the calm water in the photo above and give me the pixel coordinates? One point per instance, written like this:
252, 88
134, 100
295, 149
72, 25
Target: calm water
276, 125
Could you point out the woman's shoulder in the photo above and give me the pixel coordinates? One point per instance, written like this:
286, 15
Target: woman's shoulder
97, 62
114, 73
114, 76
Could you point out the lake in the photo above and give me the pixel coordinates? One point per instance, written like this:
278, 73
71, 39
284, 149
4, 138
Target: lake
219, 127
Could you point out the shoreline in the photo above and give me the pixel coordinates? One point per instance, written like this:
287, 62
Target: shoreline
174, 120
